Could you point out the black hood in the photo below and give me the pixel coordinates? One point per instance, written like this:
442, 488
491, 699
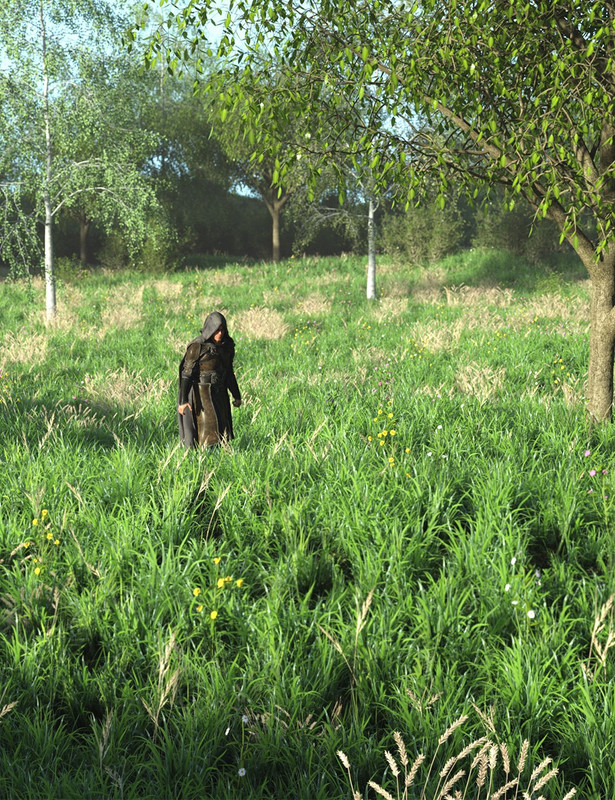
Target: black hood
214, 321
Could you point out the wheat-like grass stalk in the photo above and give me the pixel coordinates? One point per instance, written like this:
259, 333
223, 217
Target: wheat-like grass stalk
380, 790
545, 779
503, 789
401, 748
413, 770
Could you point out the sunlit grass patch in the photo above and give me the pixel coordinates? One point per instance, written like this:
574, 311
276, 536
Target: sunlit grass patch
125, 388
123, 308
23, 348
473, 296
390, 307
481, 381
434, 337
314, 305
260, 323
168, 289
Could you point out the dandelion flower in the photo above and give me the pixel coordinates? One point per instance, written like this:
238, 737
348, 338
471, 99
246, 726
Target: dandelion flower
44, 513
531, 613
241, 772
407, 449
369, 438
213, 615
37, 570
35, 521
239, 583
56, 542
217, 560
392, 433
199, 608
49, 536
220, 583
196, 591
228, 579
26, 544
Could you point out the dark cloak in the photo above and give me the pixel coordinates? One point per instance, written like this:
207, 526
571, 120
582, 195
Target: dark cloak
208, 376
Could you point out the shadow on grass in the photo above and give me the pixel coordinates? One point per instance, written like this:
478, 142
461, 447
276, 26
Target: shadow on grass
500, 268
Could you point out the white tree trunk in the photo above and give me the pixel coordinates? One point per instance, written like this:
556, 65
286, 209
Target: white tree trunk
371, 252
50, 284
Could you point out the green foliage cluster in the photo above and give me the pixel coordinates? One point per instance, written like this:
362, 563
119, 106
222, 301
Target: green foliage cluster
413, 506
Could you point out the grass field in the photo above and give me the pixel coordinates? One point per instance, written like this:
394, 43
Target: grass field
413, 524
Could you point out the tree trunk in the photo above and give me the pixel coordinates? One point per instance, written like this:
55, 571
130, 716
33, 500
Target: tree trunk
50, 284
371, 252
84, 226
601, 340
275, 230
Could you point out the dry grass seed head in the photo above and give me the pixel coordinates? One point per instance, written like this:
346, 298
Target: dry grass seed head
449, 784
392, 763
414, 769
505, 757
545, 779
482, 771
401, 748
449, 731
261, 323
380, 790
344, 759
542, 766
503, 789
523, 756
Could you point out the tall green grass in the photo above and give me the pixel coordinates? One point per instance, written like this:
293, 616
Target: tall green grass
413, 507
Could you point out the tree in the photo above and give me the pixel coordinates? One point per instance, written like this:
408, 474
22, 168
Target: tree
267, 165
518, 92
66, 144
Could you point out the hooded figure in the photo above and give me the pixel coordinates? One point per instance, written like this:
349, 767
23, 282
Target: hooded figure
206, 377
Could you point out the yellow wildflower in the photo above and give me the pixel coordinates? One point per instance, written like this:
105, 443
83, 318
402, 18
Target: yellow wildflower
199, 609
56, 541
35, 522
196, 591
44, 513
220, 583
390, 415
392, 433
213, 614
217, 560
239, 583
37, 570
49, 536
228, 579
